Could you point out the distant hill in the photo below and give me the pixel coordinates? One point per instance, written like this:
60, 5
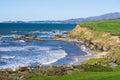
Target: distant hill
101, 17
74, 21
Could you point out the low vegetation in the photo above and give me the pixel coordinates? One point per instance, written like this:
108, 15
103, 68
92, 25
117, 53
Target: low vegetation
114, 55
96, 61
112, 25
76, 75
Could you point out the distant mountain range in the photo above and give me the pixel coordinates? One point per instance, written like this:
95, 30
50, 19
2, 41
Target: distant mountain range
75, 21
101, 17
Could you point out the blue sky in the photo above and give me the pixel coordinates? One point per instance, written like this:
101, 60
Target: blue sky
29, 10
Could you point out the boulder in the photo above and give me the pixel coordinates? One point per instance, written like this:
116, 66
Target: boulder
68, 67
58, 37
16, 37
105, 48
22, 69
9, 70
29, 37
39, 39
92, 47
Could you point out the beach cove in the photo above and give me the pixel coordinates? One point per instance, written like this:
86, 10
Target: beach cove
30, 46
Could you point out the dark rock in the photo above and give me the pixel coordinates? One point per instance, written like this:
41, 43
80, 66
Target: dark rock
23, 69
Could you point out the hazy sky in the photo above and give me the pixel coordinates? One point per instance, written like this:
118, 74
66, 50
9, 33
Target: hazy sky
29, 10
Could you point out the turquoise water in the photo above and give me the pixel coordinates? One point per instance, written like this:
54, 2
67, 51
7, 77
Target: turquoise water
15, 53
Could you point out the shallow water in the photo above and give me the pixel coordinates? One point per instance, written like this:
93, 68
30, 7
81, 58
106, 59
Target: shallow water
15, 53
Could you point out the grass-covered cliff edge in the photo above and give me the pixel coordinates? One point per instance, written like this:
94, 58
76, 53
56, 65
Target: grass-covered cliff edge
100, 36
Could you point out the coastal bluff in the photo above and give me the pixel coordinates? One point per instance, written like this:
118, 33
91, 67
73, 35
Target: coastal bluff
95, 40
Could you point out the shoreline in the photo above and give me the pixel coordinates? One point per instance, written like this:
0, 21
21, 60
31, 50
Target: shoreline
78, 59
89, 53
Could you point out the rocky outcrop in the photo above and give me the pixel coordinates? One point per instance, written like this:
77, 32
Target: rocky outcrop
101, 41
26, 37
57, 37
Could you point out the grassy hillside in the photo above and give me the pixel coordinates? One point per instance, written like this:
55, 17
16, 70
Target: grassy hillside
104, 25
84, 76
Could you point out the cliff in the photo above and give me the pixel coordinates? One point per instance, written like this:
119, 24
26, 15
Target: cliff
95, 40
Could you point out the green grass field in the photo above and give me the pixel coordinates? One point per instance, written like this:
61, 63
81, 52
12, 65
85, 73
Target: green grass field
104, 25
83, 76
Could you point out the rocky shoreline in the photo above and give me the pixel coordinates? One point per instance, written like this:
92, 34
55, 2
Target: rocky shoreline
96, 44
93, 48
32, 37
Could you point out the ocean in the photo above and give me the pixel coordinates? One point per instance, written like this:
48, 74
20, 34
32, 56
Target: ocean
16, 53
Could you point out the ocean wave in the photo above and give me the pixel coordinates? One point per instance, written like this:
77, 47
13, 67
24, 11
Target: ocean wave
14, 31
21, 41
7, 57
42, 36
7, 36
40, 32
84, 49
25, 48
48, 57
53, 56
49, 32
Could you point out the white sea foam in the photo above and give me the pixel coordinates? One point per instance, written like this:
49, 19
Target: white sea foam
9, 35
40, 32
83, 48
54, 56
13, 31
50, 56
21, 41
49, 32
11, 48
44, 36
7, 57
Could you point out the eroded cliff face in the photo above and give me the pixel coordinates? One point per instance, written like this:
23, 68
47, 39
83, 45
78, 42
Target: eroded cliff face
100, 41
